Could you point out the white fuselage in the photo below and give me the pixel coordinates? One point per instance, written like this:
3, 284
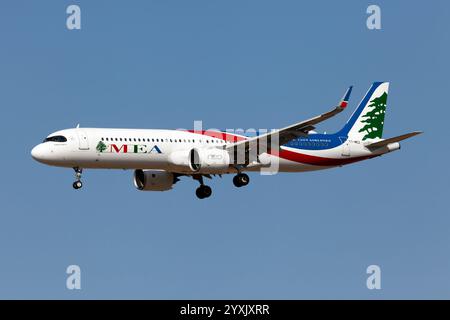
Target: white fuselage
155, 149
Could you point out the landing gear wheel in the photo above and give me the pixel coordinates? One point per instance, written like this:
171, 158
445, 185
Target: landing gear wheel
203, 192
77, 185
241, 180
199, 193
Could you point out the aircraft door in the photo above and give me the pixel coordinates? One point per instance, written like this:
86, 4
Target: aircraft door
83, 141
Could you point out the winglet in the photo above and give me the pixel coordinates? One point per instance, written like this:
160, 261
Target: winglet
345, 98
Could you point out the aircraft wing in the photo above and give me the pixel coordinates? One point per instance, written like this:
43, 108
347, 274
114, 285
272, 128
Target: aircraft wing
284, 135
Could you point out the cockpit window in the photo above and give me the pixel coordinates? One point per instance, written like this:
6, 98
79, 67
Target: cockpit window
56, 139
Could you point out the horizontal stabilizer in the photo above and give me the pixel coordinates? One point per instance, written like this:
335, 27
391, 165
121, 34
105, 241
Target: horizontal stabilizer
384, 143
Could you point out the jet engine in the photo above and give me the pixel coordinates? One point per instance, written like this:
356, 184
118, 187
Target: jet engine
209, 160
153, 180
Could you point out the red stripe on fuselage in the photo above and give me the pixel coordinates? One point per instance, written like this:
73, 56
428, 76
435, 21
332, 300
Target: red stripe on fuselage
317, 161
287, 154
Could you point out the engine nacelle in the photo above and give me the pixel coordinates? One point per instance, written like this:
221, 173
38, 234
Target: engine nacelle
152, 180
179, 161
209, 160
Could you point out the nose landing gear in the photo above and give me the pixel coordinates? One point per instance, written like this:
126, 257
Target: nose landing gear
77, 184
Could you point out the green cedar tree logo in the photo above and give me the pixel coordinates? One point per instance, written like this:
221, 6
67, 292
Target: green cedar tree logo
101, 146
374, 118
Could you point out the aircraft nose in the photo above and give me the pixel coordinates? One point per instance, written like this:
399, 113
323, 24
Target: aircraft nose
38, 152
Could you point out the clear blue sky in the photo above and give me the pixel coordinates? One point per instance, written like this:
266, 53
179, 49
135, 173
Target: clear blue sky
232, 64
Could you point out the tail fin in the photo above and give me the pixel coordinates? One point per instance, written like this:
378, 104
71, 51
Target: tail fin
367, 120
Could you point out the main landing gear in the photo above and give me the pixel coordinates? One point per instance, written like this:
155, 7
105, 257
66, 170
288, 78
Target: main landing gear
241, 180
203, 191
77, 184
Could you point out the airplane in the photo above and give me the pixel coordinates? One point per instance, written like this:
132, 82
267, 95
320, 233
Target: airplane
160, 157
